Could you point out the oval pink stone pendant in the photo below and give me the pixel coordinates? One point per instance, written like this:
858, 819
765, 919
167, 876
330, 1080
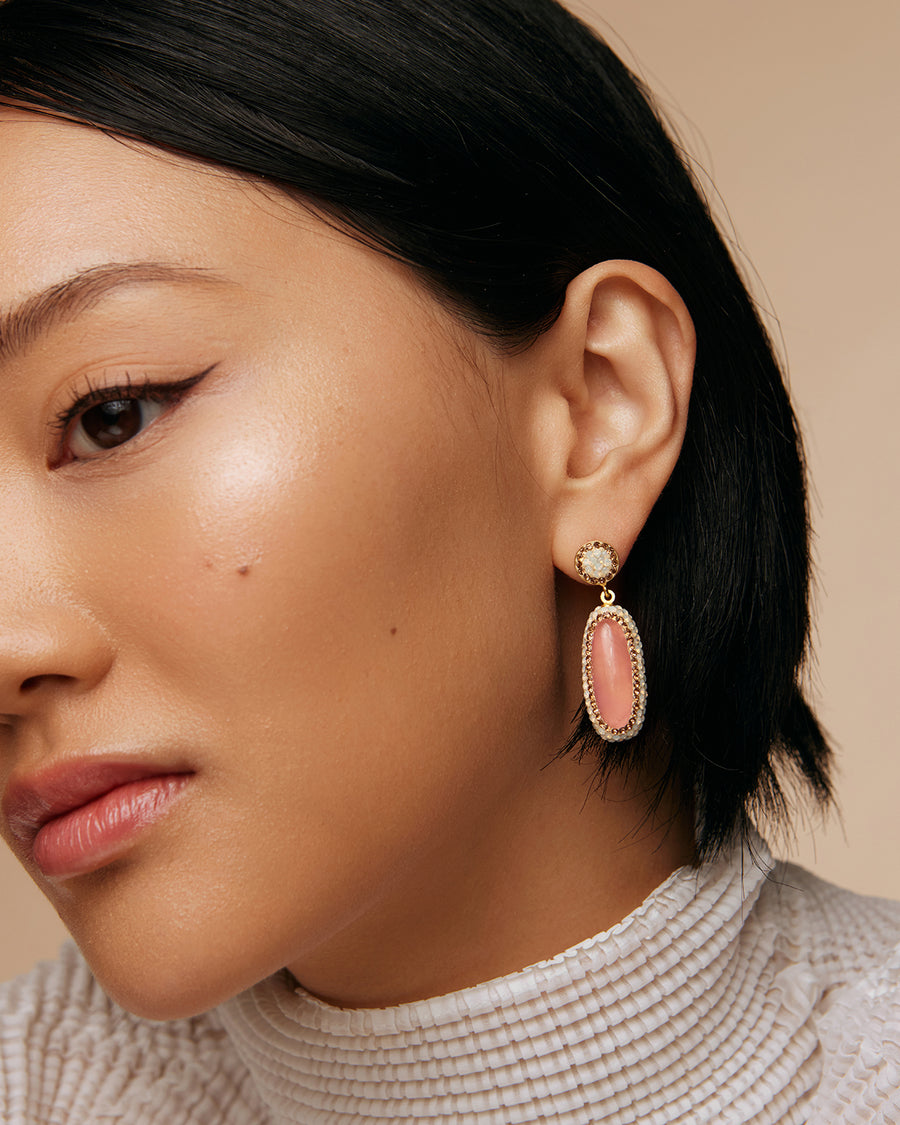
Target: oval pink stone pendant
613, 675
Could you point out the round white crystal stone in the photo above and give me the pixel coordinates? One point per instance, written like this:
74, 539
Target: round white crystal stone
597, 563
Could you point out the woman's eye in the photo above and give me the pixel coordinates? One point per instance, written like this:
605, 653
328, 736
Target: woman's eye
104, 419
110, 424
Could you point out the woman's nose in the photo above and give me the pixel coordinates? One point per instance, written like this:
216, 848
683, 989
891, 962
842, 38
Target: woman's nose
48, 648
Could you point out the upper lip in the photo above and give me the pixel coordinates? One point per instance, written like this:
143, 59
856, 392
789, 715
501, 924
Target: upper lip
29, 802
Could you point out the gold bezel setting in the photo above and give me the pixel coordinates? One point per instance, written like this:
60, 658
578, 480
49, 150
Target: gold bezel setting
638, 674
597, 562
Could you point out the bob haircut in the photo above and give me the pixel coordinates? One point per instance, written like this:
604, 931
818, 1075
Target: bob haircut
499, 148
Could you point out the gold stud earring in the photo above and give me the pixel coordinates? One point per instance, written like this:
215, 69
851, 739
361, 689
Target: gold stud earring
612, 658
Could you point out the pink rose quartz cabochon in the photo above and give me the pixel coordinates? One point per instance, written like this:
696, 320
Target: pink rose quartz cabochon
611, 665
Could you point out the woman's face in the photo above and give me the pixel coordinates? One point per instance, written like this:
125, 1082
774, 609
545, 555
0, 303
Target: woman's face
300, 567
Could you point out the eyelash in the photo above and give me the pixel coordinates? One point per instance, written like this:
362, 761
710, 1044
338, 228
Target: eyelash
141, 388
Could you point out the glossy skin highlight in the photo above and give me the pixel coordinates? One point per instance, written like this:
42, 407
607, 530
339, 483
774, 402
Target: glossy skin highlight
318, 583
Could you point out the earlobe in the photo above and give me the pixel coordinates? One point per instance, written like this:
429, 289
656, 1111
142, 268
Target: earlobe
626, 350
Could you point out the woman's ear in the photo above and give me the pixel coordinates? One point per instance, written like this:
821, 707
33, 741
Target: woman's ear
621, 358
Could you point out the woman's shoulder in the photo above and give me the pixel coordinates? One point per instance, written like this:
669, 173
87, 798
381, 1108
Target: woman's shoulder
68, 1053
840, 933
844, 948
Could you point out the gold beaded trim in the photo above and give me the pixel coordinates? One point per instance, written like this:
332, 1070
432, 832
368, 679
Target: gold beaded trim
638, 674
597, 562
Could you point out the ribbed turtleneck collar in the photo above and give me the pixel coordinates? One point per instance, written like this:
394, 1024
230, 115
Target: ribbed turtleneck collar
675, 1011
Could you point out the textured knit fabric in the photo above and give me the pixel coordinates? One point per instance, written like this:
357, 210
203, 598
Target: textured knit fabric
735, 993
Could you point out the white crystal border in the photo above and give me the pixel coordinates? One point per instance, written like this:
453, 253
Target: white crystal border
638, 674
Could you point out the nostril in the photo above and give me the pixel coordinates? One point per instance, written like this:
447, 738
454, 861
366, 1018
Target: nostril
33, 682
49, 649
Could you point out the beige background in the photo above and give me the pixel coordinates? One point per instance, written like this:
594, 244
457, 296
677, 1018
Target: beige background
790, 107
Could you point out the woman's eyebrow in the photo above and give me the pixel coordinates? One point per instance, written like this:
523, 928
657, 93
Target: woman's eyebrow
25, 322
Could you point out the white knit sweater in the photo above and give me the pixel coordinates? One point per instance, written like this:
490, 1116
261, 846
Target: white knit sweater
727, 997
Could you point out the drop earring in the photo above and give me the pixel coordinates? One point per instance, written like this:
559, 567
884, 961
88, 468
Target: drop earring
612, 658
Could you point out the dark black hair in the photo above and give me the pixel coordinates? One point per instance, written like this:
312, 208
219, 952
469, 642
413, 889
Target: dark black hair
500, 148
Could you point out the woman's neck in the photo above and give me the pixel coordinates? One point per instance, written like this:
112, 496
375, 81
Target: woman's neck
558, 864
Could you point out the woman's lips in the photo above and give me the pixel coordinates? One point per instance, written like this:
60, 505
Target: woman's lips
76, 820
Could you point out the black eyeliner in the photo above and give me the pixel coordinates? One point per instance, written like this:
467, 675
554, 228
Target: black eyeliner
142, 388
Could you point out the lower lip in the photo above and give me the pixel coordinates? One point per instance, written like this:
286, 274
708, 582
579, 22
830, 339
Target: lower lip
89, 837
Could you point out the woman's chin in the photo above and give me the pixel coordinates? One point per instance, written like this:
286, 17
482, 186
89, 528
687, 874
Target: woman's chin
163, 964
167, 987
